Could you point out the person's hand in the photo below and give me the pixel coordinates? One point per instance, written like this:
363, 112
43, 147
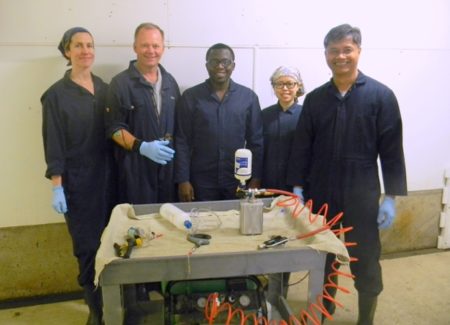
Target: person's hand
254, 183
59, 199
158, 151
299, 192
386, 213
185, 192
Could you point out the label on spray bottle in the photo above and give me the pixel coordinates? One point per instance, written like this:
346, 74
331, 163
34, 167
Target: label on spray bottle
243, 165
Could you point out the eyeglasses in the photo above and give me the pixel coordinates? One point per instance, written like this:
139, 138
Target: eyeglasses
281, 85
216, 62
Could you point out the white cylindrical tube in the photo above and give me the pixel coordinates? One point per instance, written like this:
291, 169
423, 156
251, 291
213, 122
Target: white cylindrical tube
176, 216
243, 165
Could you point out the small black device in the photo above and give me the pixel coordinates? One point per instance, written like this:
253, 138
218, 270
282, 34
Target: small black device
274, 241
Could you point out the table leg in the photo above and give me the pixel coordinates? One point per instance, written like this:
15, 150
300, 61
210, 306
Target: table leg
315, 289
113, 311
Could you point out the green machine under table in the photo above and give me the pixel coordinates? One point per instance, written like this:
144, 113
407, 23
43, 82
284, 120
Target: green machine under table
185, 301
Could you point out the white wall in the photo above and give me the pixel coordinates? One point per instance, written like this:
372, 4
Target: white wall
406, 45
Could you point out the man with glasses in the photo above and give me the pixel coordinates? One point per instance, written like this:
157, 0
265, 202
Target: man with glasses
214, 119
345, 126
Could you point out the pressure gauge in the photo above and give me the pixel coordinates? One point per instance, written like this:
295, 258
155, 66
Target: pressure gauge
244, 300
201, 302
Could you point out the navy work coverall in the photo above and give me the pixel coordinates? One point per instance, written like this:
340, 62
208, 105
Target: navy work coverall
131, 106
76, 148
209, 131
278, 129
334, 157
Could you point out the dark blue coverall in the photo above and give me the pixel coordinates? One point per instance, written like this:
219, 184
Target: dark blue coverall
76, 148
334, 157
209, 131
131, 106
278, 129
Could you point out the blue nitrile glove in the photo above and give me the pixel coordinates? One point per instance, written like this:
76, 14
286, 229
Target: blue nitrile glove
299, 192
157, 150
386, 213
59, 199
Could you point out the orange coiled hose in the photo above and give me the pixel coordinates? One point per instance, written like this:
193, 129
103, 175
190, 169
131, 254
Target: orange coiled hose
314, 310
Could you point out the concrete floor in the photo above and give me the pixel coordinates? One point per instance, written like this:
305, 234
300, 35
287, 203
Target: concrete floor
417, 291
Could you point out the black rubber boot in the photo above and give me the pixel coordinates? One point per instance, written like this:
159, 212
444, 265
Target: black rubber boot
93, 299
142, 293
367, 306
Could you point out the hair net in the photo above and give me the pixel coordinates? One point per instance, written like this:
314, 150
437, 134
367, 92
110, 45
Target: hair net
286, 72
292, 72
65, 41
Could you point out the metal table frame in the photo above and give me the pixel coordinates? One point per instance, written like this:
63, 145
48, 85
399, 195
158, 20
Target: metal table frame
220, 265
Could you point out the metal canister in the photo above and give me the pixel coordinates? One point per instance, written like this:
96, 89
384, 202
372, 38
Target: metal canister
251, 217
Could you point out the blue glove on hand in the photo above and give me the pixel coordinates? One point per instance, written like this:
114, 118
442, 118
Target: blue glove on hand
59, 199
158, 151
386, 213
299, 192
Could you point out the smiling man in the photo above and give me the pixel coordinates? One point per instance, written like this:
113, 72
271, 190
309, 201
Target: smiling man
345, 126
140, 117
214, 119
